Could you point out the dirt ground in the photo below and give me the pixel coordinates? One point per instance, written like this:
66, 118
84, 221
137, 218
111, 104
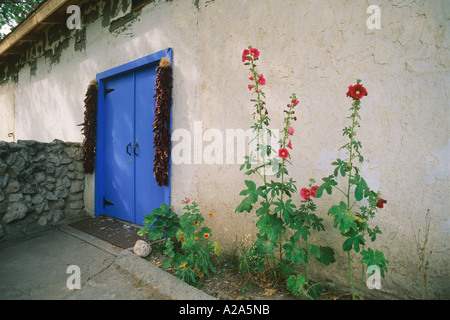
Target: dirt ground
227, 284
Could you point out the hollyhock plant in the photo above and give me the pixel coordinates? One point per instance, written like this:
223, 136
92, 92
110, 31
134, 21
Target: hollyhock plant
352, 218
272, 200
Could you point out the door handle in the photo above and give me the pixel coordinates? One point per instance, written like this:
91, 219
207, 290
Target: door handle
129, 145
134, 149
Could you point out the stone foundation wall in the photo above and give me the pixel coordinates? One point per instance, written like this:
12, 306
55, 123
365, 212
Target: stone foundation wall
41, 185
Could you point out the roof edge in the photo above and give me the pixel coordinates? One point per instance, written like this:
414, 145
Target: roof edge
45, 10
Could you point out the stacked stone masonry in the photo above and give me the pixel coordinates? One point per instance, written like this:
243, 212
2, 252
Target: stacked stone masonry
41, 185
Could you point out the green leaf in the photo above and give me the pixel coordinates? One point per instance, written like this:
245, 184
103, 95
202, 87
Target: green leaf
314, 291
286, 267
328, 184
247, 203
326, 256
296, 254
295, 284
339, 210
341, 167
250, 185
354, 241
166, 263
373, 233
376, 258
359, 192
303, 232
264, 246
313, 250
342, 218
271, 226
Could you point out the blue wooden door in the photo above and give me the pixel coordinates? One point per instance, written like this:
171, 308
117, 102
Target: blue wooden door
125, 185
149, 194
119, 158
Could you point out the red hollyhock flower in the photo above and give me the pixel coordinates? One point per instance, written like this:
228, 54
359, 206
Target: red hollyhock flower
380, 203
357, 91
250, 87
261, 80
283, 153
255, 53
289, 144
295, 102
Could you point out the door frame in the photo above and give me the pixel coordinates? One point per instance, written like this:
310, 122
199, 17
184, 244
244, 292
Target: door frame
142, 63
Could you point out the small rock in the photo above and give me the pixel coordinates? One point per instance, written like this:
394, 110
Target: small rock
142, 248
42, 221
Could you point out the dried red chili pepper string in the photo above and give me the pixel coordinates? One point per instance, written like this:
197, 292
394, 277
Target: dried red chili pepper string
89, 129
161, 125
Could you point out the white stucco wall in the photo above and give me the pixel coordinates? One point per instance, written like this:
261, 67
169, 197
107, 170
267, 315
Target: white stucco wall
316, 49
7, 97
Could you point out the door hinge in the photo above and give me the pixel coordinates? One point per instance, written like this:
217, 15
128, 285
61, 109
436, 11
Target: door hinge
106, 203
108, 91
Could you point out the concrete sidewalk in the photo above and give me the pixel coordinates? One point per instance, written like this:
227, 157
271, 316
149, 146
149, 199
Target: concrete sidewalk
37, 268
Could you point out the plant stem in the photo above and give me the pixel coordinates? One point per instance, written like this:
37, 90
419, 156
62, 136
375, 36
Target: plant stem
350, 165
350, 274
362, 283
307, 264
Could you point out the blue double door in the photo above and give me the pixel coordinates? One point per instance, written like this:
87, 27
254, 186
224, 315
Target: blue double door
129, 189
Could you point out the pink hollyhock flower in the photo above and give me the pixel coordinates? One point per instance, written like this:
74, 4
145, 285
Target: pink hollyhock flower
291, 131
314, 190
295, 102
305, 193
255, 53
261, 80
245, 55
250, 87
283, 153
251, 78
188, 200
289, 144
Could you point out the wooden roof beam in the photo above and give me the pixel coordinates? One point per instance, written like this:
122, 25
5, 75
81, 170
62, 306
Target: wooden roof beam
45, 10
